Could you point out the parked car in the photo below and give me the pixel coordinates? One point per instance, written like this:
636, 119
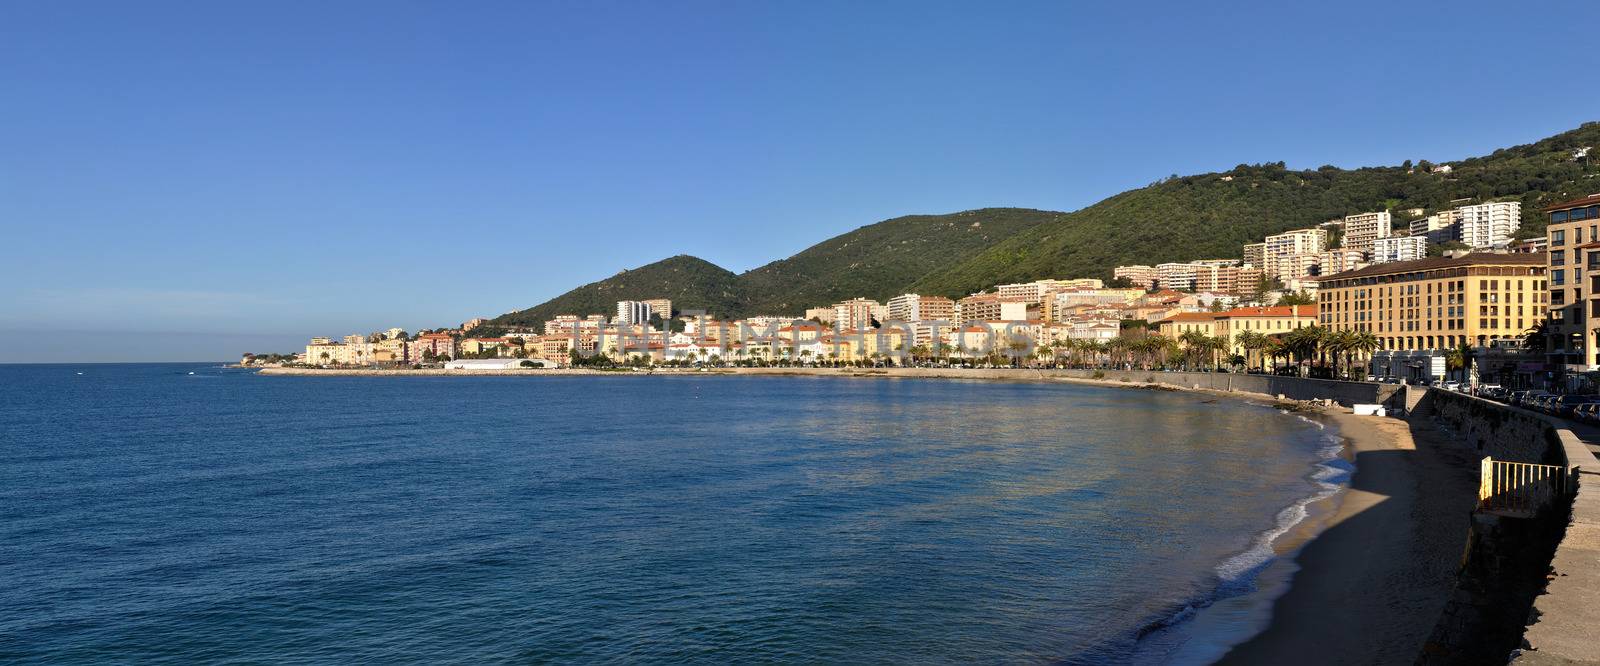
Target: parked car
1585, 412
1565, 405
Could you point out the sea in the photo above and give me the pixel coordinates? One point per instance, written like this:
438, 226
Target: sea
193, 513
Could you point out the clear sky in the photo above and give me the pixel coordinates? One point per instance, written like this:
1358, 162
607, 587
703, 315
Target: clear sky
189, 181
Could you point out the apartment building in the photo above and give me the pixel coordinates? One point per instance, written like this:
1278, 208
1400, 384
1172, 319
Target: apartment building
659, 306
1177, 276
1398, 248
566, 324
1139, 275
916, 307
632, 312
1573, 262
1284, 255
1254, 254
1339, 261
991, 307
1490, 224
1438, 302
1441, 227
1361, 229
858, 313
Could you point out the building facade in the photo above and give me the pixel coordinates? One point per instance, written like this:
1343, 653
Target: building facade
1361, 229
1139, 275
1489, 225
1439, 302
1398, 248
1573, 262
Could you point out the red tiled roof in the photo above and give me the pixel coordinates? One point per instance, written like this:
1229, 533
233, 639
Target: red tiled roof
1273, 311
1190, 316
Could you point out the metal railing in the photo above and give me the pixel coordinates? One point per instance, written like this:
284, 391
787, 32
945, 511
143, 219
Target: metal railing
1521, 489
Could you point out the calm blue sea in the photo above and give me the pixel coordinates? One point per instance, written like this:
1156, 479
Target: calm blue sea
152, 515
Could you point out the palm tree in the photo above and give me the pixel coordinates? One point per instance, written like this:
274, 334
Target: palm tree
1252, 342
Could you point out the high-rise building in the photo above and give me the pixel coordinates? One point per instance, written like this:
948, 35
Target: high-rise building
857, 314
1438, 302
915, 307
661, 307
632, 312
1574, 297
1363, 228
1490, 224
1279, 252
1399, 248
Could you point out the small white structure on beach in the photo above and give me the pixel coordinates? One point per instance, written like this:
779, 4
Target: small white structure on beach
496, 363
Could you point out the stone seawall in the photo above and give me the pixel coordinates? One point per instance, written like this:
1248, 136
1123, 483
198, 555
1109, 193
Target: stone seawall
1527, 585
1294, 388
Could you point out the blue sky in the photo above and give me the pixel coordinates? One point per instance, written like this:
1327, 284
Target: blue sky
193, 180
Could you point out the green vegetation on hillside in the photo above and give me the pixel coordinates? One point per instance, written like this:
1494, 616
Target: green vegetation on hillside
690, 282
1214, 215
1178, 219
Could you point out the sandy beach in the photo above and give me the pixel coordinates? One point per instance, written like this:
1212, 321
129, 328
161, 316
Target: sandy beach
1371, 585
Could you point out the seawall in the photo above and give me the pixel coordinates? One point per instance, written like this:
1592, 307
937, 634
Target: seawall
1528, 586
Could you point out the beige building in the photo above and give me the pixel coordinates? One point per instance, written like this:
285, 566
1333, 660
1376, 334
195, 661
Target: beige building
858, 313
1437, 303
1254, 254
1141, 276
1283, 254
991, 307
1573, 262
1361, 229
916, 307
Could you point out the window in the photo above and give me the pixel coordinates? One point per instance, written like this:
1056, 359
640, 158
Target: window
1579, 214
1558, 277
1558, 236
1556, 217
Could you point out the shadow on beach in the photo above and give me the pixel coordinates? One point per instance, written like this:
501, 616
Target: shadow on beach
1372, 585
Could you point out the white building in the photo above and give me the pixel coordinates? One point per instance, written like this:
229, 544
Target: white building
632, 312
1399, 248
1179, 276
858, 313
1490, 224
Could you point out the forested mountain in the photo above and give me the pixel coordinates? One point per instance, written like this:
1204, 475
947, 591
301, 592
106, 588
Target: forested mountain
1178, 219
691, 282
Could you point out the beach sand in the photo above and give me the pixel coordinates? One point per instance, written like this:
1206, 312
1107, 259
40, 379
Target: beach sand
1372, 584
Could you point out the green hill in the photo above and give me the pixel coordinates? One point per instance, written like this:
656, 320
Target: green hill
1213, 215
1178, 219
875, 261
881, 260
690, 282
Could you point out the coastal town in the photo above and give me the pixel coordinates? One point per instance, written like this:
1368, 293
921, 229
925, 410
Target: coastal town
1445, 292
